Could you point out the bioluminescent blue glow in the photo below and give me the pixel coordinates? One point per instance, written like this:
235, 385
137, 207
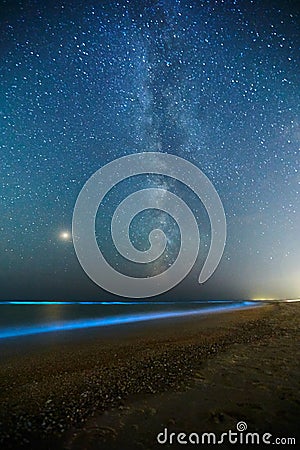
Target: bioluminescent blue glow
117, 320
152, 302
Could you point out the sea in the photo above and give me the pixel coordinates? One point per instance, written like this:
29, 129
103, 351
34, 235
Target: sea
25, 318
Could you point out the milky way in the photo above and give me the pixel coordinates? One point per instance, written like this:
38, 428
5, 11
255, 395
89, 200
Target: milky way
215, 82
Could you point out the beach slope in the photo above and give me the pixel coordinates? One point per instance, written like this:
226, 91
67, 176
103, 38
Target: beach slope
122, 388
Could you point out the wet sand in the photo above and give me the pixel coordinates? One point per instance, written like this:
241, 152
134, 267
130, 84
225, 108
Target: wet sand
119, 390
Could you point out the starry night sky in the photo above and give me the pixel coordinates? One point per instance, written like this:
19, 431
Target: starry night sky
215, 82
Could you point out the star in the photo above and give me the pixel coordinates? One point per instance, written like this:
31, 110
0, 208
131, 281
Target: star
65, 235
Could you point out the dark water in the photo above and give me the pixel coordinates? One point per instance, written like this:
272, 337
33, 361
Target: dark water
31, 318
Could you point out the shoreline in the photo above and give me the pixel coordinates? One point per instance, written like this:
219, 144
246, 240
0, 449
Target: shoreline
50, 395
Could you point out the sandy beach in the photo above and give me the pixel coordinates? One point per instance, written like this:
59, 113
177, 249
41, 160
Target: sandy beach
119, 390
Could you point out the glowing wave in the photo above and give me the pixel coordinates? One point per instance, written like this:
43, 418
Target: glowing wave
117, 320
138, 302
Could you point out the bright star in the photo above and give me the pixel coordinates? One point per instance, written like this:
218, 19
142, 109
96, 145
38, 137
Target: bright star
65, 235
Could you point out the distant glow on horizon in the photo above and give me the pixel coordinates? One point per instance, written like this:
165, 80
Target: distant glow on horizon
117, 320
